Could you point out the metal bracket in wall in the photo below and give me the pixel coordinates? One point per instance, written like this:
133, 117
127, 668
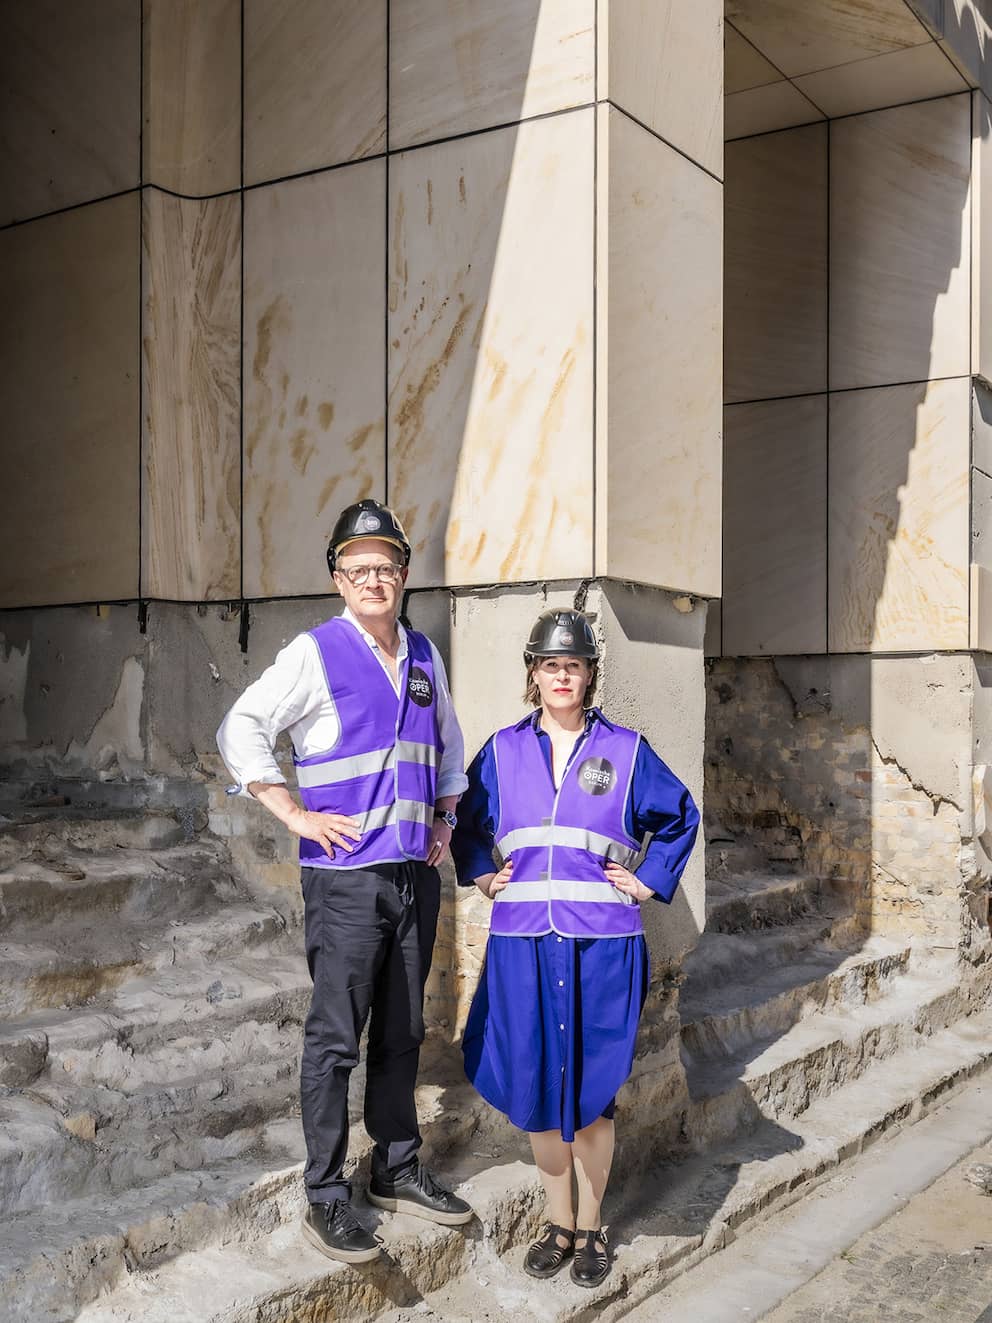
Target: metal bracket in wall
142, 617
243, 628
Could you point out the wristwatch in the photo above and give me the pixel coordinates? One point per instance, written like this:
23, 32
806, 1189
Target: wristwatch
447, 817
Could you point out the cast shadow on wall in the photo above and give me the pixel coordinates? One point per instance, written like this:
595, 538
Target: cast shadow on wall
836, 765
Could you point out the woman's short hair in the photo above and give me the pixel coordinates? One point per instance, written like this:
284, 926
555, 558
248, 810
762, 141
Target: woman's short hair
532, 694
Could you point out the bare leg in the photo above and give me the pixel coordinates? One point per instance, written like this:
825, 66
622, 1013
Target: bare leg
554, 1161
592, 1153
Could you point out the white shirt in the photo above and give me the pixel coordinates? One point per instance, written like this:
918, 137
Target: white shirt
292, 695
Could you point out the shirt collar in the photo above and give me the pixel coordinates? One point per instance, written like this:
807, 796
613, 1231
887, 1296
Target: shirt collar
348, 615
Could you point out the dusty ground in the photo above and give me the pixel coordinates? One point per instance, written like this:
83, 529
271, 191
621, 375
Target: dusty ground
902, 1236
931, 1261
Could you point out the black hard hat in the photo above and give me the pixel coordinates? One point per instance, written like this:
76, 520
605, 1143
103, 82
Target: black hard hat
367, 519
561, 634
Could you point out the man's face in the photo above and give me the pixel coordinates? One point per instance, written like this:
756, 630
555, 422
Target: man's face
376, 598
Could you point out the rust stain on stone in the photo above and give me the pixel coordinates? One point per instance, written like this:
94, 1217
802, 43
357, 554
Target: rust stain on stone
327, 491
410, 414
399, 261
274, 319
302, 405
474, 556
265, 521
359, 437
462, 195
536, 483
325, 414
274, 314
302, 449
430, 203
499, 367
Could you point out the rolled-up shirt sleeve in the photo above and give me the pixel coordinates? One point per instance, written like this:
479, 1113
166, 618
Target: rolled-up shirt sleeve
661, 804
286, 692
451, 778
478, 816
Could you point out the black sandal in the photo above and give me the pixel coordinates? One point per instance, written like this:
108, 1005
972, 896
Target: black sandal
546, 1256
591, 1265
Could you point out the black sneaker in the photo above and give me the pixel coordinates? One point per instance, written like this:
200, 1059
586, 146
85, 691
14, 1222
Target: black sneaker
417, 1192
335, 1230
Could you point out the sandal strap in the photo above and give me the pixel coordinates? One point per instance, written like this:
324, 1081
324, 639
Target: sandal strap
551, 1233
590, 1248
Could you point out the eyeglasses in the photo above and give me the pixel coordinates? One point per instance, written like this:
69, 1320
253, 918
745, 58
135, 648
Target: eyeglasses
387, 572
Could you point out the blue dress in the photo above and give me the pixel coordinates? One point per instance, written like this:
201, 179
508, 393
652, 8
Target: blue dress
552, 1028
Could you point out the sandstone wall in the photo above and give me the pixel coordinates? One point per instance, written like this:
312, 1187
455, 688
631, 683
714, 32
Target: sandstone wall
859, 769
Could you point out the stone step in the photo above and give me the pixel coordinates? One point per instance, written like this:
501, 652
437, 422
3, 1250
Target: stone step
130, 884
126, 1111
671, 1217
784, 1075
107, 1145
127, 1038
90, 960
720, 1018
52, 830
747, 902
730, 959
210, 1048
59, 1254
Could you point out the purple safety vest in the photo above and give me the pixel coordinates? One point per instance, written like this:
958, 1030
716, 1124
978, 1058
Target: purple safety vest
383, 769
559, 841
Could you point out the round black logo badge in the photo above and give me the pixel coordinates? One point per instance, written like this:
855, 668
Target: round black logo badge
419, 687
597, 776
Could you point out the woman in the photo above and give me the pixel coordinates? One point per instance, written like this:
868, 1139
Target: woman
567, 798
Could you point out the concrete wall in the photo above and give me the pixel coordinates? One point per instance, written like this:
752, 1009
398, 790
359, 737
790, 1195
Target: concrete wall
96, 711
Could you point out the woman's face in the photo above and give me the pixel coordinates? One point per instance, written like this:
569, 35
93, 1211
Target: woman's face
562, 682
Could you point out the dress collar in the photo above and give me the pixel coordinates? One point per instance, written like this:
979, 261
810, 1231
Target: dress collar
533, 719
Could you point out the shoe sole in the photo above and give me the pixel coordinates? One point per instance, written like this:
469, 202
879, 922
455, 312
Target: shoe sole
416, 1210
342, 1256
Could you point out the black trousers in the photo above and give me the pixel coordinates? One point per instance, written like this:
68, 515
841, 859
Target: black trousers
369, 939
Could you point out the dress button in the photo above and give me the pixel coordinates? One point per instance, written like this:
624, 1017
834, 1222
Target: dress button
561, 982
559, 939
561, 1026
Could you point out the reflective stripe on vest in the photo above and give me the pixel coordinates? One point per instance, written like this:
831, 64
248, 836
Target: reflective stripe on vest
616, 851
382, 772
560, 840
335, 770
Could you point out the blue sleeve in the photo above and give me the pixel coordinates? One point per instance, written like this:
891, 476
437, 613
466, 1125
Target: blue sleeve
478, 816
660, 804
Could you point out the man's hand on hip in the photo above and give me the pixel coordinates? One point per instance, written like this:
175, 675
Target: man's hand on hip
332, 831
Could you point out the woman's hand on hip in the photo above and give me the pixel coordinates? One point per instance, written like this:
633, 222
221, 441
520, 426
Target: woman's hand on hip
440, 840
624, 880
330, 830
491, 883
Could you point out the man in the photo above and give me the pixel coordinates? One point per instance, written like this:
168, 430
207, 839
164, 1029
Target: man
379, 763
